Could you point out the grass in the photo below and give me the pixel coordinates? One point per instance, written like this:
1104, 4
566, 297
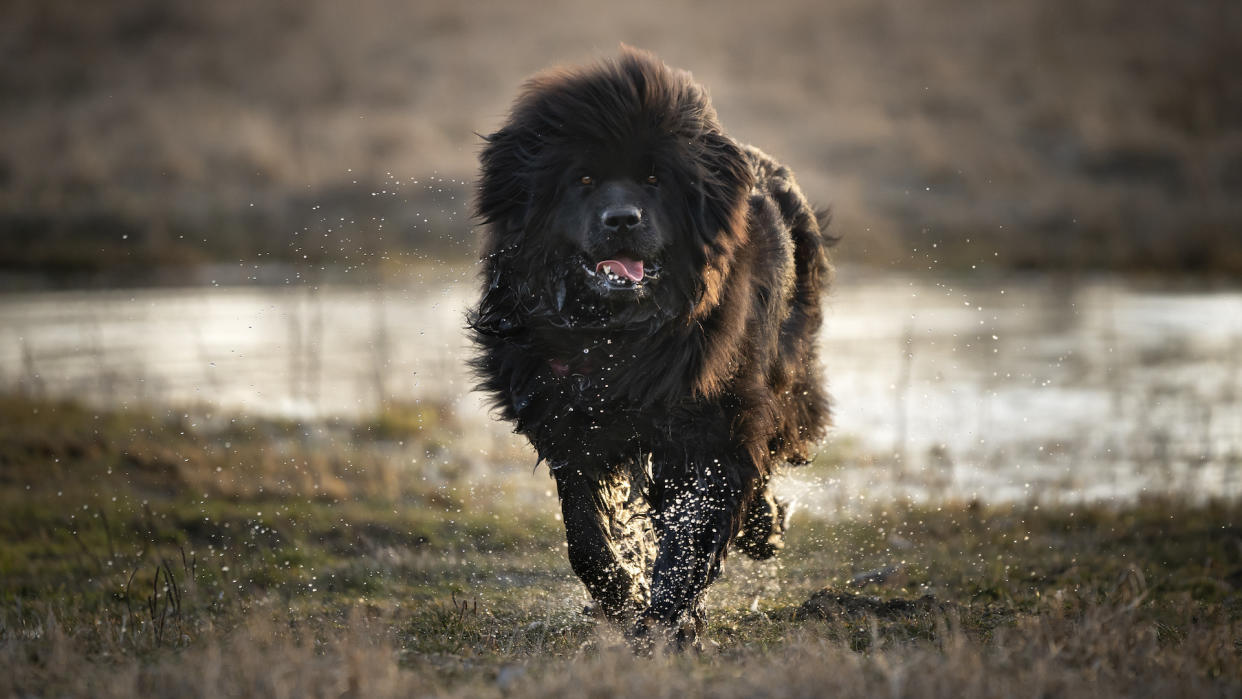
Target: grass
193, 554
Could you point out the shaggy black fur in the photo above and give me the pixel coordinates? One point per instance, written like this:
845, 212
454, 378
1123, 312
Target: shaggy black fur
648, 320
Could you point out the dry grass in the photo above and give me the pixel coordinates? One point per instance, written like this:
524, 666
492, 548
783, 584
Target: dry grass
85, 450
1087, 134
1101, 652
124, 575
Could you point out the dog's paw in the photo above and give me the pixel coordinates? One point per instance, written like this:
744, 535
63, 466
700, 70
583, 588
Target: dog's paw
763, 531
649, 635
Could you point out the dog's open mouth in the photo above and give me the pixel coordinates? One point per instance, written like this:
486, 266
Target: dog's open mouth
621, 273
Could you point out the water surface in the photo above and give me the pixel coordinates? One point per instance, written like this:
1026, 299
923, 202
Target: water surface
1030, 388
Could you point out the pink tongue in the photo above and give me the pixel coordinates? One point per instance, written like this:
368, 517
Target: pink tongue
624, 267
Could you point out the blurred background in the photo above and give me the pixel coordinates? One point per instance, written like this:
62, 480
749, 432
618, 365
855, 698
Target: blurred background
1079, 134
266, 206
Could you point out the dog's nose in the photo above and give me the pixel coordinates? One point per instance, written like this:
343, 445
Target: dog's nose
619, 217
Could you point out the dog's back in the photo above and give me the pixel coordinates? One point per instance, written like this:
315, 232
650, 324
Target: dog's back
804, 411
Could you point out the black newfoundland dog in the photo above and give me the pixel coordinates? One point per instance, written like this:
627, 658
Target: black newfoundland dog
650, 305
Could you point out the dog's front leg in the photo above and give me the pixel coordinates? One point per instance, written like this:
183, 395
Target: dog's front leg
604, 552
697, 515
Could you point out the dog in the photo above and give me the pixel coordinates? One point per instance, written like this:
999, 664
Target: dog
648, 319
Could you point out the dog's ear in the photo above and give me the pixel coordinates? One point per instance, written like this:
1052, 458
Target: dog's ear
502, 199
726, 181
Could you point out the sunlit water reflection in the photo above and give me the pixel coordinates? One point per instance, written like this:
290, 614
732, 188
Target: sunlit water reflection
1000, 391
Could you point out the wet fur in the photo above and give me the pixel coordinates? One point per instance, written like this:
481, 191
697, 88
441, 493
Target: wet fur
662, 417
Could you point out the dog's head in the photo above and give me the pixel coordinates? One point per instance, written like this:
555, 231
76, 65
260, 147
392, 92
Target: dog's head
615, 187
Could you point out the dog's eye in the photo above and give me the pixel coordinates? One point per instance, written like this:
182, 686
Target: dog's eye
587, 180
651, 179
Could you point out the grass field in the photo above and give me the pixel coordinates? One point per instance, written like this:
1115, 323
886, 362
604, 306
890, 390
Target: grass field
191, 554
